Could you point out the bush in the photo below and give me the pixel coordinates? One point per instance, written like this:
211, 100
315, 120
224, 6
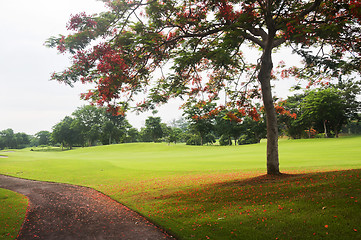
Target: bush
245, 139
320, 135
194, 140
209, 139
224, 140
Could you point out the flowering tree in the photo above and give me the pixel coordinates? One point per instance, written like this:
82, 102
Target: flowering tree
200, 42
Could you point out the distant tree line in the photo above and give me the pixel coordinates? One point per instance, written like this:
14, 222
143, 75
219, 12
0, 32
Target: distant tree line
90, 126
9, 139
323, 112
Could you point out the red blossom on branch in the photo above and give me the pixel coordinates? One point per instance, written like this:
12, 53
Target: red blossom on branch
81, 21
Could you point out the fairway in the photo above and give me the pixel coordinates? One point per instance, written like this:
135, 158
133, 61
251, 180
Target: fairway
138, 161
193, 192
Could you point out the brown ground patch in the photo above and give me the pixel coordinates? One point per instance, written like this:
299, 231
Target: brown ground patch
62, 211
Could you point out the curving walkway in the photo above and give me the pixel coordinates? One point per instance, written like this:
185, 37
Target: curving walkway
67, 212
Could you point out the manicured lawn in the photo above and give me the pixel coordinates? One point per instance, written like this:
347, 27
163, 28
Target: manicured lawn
218, 192
12, 212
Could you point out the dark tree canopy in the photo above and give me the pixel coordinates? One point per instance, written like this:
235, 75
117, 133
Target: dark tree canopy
44, 137
11, 140
153, 128
326, 108
200, 43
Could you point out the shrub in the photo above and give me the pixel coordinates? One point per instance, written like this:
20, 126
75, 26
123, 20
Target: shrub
246, 139
225, 140
194, 140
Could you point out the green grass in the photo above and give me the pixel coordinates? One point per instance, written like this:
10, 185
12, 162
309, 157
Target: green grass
217, 192
12, 212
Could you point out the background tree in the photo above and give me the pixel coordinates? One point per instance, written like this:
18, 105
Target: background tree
201, 119
175, 135
22, 140
144, 135
204, 38
8, 138
11, 140
114, 129
228, 126
92, 119
132, 135
350, 91
2, 142
109, 132
97, 124
180, 123
167, 131
352, 127
294, 125
252, 131
193, 139
326, 108
43, 137
66, 133
153, 129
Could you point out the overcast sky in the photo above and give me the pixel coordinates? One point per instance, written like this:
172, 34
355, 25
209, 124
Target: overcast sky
29, 102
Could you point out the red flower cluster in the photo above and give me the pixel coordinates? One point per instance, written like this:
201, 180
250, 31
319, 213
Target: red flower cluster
292, 30
311, 132
281, 110
233, 118
227, 12
254, 114
81, 21
355, 7
61, 46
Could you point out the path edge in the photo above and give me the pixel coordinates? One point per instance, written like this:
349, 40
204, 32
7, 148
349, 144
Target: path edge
169, 234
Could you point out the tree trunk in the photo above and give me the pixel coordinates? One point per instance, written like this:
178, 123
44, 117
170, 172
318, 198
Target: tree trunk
309, 132
336, 129
324, 126
264, 77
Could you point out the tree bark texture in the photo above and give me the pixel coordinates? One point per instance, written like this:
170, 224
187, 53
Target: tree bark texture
324, 127
264, 77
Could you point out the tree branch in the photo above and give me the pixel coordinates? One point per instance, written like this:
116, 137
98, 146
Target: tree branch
259, 32
253, 39
193, 35
278, 42
310, 9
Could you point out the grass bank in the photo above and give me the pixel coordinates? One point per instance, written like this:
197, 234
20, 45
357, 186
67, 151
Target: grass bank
12, 211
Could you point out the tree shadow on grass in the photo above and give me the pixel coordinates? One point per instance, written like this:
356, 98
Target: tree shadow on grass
263, 179
279, 183
290, 177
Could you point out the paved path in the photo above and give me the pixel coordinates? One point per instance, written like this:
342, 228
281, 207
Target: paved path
62, 212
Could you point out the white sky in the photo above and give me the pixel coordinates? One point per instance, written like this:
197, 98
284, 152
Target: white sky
29, 102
